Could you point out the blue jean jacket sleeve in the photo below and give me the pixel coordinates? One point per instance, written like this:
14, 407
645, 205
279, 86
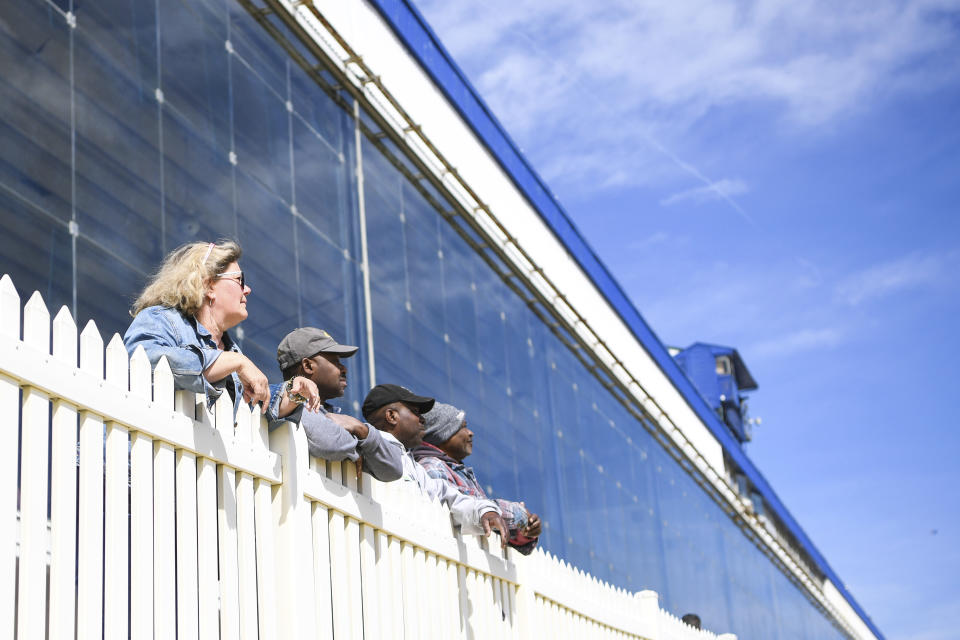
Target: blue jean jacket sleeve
273, 411
153, 330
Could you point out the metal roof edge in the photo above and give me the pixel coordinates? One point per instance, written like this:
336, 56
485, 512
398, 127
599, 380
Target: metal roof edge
418, 37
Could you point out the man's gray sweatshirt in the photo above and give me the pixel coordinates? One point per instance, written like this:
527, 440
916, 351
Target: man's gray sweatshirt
326, 439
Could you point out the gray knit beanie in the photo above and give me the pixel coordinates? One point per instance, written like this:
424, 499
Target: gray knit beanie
442, 423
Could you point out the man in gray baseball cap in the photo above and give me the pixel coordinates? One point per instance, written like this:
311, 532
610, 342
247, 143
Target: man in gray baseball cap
313, 354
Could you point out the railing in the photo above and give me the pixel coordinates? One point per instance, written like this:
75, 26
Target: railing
138, 513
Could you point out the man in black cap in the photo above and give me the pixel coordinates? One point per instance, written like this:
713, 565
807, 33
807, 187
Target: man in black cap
398, 412
313, 354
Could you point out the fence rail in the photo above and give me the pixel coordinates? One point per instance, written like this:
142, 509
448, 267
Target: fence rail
128, 510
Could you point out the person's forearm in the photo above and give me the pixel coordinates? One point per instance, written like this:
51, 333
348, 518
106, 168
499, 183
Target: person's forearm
226, 363
382, 460
286, 407
326, 439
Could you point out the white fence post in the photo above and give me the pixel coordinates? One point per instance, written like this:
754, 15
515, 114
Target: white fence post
31, 609
116, 503
141, 511
649, 606
90, 516
294, 540
526, 600
265, 535
63, 490
9, 448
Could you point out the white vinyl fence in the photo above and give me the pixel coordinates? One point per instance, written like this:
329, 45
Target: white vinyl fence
137, 513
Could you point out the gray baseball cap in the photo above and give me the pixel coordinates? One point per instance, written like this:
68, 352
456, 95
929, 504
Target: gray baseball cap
307, 342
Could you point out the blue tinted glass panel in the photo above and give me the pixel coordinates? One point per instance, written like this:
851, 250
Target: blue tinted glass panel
194, 67
117, 133
36, 252
261, 129
322, 192
257, 50
197, 186
101, 277
35, 130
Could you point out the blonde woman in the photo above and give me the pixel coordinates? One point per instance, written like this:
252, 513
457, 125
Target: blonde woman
184, 314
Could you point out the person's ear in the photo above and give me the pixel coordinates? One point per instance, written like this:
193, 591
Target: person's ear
391, 416
307, 366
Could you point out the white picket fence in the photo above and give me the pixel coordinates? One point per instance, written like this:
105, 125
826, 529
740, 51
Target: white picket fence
137, 513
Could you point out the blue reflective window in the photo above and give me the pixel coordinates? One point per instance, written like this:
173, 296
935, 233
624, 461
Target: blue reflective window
36, 252
197, 185
35, 161
194, 67
261, 129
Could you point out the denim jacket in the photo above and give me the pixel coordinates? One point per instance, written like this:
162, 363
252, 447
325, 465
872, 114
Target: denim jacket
190, 350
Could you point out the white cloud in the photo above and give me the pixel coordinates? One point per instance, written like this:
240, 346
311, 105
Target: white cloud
881, 280
654, 240
795, 342
633, 77
714, 191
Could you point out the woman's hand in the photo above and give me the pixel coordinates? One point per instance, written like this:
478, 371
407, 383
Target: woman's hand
255, 387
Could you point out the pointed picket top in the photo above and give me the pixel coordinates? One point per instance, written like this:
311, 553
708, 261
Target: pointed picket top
9, 308
118, 364
223, 415
140, 385
163, 393
65, 338
36, 323
91, 350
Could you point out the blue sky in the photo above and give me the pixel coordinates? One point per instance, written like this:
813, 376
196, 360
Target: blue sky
789, 174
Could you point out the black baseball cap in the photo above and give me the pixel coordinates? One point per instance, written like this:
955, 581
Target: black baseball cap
384, 394
307, 342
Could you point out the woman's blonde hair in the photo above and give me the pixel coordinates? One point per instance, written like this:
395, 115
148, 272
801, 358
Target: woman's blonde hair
186, 272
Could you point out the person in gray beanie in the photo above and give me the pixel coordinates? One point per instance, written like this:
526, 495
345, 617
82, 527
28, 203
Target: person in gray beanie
442, 423
446, 442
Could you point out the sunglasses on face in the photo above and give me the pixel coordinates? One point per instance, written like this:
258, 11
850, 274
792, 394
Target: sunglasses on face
229, 275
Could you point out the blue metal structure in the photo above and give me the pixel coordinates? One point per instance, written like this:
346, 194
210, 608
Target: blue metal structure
720, 375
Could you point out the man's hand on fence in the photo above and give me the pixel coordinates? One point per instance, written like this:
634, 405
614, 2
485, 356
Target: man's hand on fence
354, 427
492, 520
306, 388
532, 530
